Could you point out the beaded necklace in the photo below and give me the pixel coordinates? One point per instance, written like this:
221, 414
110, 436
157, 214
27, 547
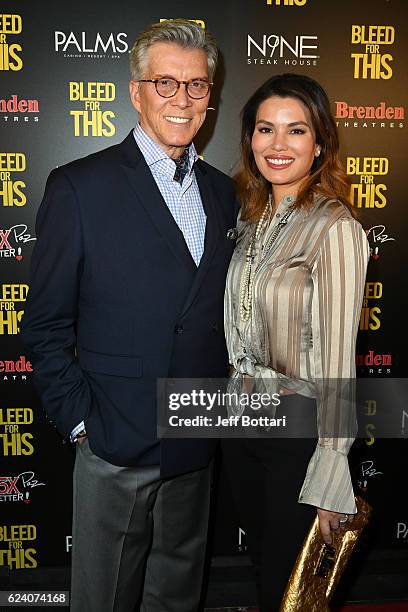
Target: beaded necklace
246, 285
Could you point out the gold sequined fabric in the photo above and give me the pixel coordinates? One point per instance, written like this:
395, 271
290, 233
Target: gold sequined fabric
318, 567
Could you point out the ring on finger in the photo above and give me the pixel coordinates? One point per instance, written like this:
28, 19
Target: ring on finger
344, 520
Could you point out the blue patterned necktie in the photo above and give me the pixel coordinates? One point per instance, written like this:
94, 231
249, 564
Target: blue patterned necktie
181, 166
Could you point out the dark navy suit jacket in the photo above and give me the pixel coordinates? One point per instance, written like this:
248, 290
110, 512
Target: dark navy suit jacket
116, 301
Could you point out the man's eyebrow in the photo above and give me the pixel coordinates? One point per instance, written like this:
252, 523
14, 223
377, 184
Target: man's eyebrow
169, 76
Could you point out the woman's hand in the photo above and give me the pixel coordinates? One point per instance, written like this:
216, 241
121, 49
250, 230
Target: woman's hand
331, 521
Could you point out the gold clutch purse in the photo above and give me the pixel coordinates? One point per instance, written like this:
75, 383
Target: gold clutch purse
319, 566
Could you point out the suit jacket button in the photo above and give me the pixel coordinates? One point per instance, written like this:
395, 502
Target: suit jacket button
178, 329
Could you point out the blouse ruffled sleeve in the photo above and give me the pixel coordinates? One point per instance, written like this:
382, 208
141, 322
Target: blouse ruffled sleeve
338, 276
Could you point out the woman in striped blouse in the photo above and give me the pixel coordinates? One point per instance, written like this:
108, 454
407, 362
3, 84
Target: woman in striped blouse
293, 298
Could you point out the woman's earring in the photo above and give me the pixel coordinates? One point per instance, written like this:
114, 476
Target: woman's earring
318, 150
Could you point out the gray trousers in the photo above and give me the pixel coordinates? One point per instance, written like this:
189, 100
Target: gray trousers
138, 541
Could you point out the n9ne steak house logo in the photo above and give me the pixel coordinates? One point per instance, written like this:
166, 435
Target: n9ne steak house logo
274, 49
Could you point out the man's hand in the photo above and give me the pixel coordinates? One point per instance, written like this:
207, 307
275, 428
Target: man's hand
331, 521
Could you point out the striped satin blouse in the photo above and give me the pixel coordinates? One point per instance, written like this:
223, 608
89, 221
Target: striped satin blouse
301, 335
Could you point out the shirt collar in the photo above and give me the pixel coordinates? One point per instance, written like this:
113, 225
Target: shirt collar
288, 200
153, 153
285, 202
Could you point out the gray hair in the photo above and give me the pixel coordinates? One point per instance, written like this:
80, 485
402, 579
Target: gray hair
186, 34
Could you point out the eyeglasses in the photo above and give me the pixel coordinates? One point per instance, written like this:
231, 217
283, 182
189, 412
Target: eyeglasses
167, 88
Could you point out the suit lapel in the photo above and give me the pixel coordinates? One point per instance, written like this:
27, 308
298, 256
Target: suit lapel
149, 196
212, 231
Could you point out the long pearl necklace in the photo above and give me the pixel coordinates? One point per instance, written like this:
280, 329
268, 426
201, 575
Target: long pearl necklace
246, 288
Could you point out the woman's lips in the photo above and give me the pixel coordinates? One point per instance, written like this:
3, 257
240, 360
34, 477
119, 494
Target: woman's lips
279, 163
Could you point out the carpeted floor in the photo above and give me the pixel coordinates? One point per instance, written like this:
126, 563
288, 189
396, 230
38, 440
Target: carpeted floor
385, 607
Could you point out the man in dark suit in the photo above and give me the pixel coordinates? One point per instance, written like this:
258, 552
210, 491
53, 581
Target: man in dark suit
131, 290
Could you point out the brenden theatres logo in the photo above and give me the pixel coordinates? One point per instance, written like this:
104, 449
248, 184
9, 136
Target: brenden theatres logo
373, 363
377, 236
18, 488
91, 46
15, 370
370, 63
10, 51
13, 240
91, 120
17, 110
367, 193
274, 49
379, 116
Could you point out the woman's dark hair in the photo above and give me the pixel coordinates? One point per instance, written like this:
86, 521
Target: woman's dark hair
327, 175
